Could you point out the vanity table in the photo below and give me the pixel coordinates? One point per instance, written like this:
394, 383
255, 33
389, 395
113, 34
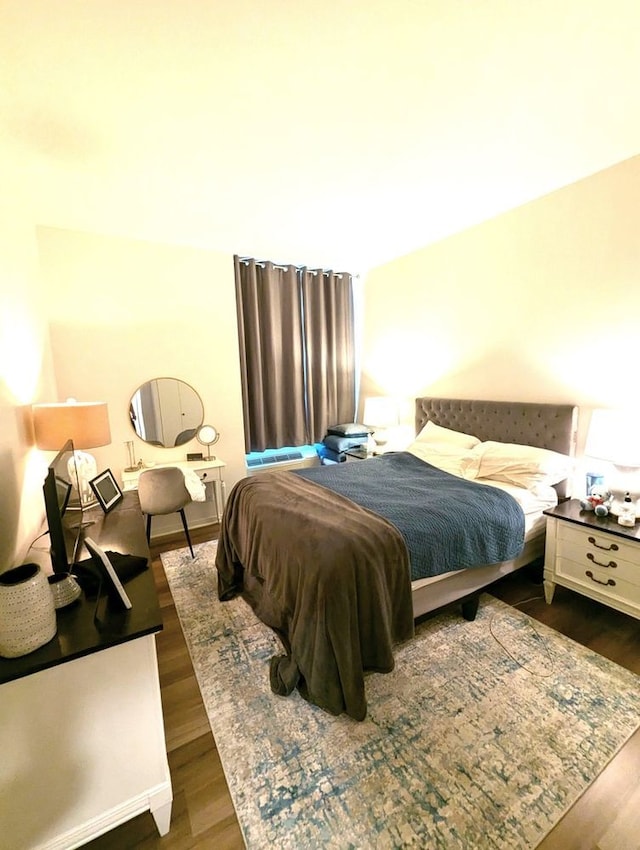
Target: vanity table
208, 471
166, 413
82, 733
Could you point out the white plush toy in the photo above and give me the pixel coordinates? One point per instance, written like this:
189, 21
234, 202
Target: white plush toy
599, 500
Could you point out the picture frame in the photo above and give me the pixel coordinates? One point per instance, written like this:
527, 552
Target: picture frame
106, 490
114, 587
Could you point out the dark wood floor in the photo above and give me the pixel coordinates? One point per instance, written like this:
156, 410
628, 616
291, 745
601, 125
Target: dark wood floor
203, 814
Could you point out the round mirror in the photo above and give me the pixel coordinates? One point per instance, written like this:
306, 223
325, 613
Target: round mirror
166, 412
208, 436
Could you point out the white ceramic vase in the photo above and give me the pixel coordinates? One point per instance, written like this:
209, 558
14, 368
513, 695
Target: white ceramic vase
27, 611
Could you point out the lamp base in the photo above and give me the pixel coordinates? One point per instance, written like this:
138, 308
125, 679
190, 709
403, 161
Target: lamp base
82, 469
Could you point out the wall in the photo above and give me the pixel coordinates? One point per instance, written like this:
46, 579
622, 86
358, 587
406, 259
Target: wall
123, 311
26, 375
539, 304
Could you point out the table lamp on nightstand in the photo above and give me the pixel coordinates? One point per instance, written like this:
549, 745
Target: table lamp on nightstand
614, 436
380, 413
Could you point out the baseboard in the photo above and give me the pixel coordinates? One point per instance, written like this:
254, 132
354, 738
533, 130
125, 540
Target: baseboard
109, 820
179, 530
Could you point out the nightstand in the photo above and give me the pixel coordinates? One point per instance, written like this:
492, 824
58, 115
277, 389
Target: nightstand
593, 556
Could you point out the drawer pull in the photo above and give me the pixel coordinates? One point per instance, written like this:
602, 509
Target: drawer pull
611, 565
610, 582
613, 548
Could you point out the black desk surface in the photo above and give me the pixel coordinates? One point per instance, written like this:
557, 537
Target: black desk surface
121, 530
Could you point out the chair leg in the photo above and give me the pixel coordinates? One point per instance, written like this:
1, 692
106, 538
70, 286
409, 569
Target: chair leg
186, 530
148, 528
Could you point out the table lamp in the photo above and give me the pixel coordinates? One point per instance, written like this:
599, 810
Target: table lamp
614, 436
86, 424
380, 413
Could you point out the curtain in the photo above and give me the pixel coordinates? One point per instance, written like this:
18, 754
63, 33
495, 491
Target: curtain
330, 350
297, 352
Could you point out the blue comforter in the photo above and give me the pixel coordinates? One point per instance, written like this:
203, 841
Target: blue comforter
447, 523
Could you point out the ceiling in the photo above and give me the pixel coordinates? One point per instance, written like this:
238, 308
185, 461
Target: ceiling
340, 133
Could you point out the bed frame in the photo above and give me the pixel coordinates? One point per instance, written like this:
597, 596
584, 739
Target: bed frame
546, 426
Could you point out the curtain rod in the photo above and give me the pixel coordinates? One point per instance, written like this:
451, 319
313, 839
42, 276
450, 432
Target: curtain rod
264, 263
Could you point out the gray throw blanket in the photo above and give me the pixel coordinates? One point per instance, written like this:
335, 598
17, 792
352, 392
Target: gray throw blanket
330, 577
448, 523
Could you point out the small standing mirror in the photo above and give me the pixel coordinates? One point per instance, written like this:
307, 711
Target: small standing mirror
166, 412
208, 436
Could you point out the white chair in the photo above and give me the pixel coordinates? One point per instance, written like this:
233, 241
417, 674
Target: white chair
163, 491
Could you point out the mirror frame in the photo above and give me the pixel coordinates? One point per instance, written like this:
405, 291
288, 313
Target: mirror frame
149, 395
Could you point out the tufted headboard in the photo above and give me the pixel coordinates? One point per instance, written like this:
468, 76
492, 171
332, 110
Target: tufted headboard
547, 426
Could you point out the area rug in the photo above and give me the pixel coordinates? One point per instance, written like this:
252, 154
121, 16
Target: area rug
482, 737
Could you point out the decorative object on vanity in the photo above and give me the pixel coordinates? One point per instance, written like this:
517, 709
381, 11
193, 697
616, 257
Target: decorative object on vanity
614, 437
543, 721
64, 588
106, 490
86, 424
163, 491
207, 436
131, 457
27, 612
166, 412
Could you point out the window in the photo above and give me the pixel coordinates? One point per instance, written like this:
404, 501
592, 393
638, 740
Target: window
297, 352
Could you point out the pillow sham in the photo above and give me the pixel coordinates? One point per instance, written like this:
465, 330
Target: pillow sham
447, 457
349, 429
432, 433
524, 466
343, 444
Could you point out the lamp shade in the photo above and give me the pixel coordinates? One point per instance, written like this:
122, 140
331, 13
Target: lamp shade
86, 423
380, 411
614, 435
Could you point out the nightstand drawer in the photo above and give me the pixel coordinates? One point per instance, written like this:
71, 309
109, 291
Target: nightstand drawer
603, 553
610, 582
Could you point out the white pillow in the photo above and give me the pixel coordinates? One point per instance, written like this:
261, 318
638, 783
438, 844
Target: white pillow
448, 457
524, 466
432, 433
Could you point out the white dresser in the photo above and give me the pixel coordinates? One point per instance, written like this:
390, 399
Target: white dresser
82, 746
593, 556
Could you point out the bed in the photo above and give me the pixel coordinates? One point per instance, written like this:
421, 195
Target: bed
546, 426
329, 558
